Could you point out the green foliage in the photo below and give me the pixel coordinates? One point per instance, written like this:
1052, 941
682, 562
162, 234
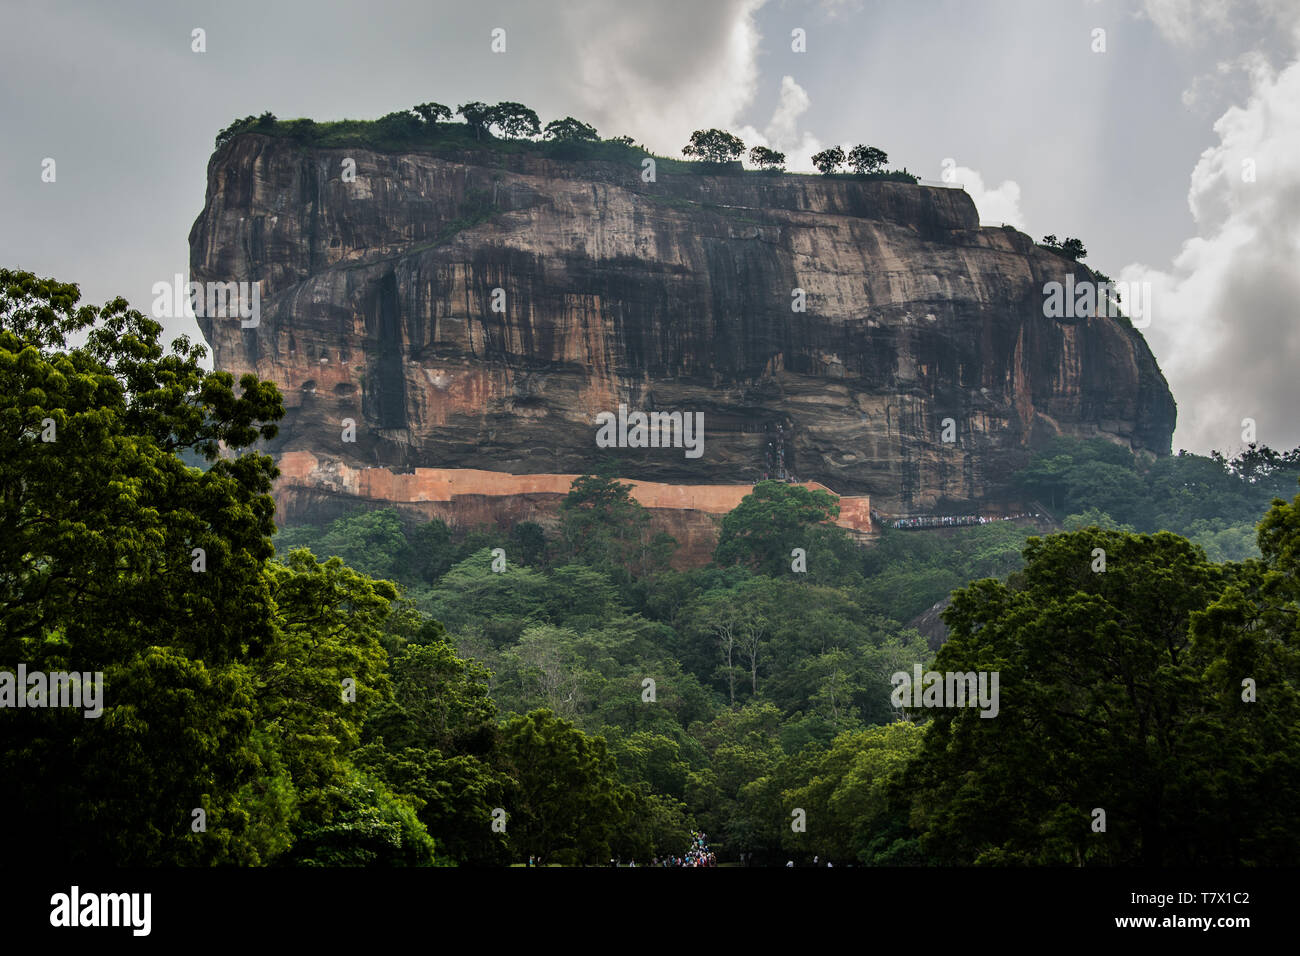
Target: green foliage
434, 743
570, 130
803, 647
866, 159
453, 796
656, 826
254, 124
765, 158
1108, 701
1213, 500
1093, 518
714, 146
651, 758
432, 552
603, 525
329, 625
432, 112
101, 517
400, 125
893, 176
500, 604
1222, 541
424, 128
1071, 248
372, 542
415, 554
368, 826
845, 791
514, 120
440, 702
609, 704
774, 519
828, 160
222, 673
528, 543
568, 803
477, 116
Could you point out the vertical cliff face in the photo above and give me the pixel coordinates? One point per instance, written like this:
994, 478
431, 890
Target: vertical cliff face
480, 311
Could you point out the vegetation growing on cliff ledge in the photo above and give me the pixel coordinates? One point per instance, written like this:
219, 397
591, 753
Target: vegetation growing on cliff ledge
510, 128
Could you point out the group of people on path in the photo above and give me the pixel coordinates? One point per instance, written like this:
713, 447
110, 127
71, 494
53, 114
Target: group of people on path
699, 854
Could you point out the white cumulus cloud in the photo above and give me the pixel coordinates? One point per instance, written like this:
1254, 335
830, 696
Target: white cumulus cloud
1224, 320
997, 205
782, 130
660, 71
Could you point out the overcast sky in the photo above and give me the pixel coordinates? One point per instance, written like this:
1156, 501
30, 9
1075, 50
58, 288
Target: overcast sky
1143, 150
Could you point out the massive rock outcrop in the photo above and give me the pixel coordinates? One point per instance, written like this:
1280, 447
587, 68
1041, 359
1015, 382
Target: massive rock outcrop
380, 304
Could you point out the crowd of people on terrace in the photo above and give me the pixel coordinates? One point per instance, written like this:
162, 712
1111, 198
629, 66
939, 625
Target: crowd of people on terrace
954, 521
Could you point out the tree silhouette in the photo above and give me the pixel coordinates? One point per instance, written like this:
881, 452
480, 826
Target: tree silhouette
828, 159
570, 130
432, 112
514, 120
867, 159
714, 145
766, 158
477, 115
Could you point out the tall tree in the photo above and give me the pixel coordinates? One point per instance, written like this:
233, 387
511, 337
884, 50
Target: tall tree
603, 525
119, 558
714, 145
434, 743
770, 522
867, 159
1113, 699
477, 115
432, 113
570, 130
828, 160
1250, 755
568, 804
766, 158
514, 120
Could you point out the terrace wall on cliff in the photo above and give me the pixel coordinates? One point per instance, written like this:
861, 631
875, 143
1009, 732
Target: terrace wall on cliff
316, 489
